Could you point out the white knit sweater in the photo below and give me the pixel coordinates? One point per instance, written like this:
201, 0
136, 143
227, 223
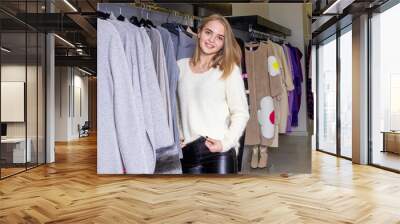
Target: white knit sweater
210, 106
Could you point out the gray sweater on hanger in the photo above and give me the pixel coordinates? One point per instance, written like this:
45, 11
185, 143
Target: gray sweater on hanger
168, 159
122, 143
126, 32
154, 108
186, 46
173, 75
183, 44
161, 71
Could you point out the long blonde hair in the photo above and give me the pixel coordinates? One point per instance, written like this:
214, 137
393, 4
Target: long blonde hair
229, 55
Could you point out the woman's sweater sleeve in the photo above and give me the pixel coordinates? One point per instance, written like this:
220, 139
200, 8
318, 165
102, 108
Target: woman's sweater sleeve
238, 108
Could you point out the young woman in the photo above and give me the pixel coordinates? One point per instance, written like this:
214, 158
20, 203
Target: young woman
212, 101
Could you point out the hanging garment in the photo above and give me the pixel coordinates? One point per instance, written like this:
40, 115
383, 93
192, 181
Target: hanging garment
184, 45
164, 162
211, 106
161, 71
290, 93
264, 77
174, 31
153, 105
168, 159
310, 96
121, 134
246, 86
173, 75
282, 104
296, 56
242, 62
298, 79
126, 31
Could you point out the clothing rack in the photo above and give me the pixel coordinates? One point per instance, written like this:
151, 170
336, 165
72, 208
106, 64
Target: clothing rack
250, 27
156, 14
262, 35
258, 23
155, 8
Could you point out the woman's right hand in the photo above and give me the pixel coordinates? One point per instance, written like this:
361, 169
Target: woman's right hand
182, 143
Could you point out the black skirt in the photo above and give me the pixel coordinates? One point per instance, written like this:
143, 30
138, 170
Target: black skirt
198, 159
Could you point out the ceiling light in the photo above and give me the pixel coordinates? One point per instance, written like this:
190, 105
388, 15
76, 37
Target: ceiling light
338, 7
70, 5
327, 11
84, 71
65, 41
5, 50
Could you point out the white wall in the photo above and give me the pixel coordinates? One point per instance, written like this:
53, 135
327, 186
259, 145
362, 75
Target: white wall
80, 102
71, 93
61, 103
17, 72
33, 126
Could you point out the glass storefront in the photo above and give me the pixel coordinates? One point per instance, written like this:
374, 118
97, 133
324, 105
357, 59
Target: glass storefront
346, 92
334, 94
327, 96
385, 89
22, 79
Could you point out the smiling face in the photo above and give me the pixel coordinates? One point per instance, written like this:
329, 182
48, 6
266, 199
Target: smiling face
217, 41
211, 37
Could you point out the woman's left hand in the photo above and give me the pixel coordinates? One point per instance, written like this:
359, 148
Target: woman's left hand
213, 145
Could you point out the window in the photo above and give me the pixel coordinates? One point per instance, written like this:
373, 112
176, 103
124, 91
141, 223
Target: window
394, 102
327, 96
385, 89
346, 95
334, 106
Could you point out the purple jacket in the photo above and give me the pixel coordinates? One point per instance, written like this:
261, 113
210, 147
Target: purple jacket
295, 95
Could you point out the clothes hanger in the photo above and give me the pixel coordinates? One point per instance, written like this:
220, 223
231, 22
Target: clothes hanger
183, 28
253, 44
134, 20
102, 15
171, 27
142, 21
145, 22
149, 24
253, 39
190, 29
120, 17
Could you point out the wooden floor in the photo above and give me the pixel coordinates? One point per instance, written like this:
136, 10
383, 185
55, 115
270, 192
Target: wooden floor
5, 172
70, 191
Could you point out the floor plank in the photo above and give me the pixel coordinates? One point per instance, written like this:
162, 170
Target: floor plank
70, 191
